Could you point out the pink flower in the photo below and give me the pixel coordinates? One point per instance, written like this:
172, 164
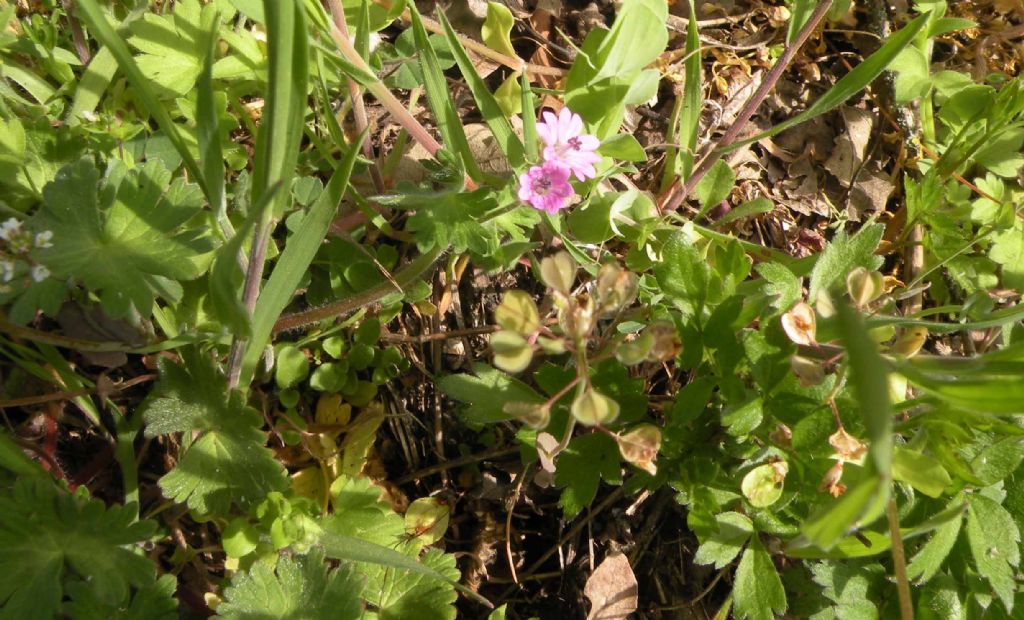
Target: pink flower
546, 187
567, 144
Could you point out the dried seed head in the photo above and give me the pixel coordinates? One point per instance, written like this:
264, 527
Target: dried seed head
848, 447
808, 372
640, 447
558, 271
799, 324
864, 286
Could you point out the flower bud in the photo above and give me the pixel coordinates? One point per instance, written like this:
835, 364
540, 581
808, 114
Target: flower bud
830, 481
847, 447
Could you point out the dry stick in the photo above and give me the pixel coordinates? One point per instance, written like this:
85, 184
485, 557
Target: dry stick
899, 561
358, 105
677, 195
512, 62
453, 463
613, 497
46, 398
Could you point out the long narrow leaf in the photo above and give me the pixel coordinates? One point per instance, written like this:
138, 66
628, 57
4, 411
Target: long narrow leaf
508, 141
94, 18
852, 83
529, 115
277, 145
211, 154
93, 84
294, 261
440, 98
869, 376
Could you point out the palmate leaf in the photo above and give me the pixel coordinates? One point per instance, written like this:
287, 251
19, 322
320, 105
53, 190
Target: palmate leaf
123, 236
229, 461
301, 588
582, 465
48, 537
456, 219
172, 56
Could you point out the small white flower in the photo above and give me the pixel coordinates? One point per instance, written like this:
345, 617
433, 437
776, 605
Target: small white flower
6, 270
44, 239
10, 228
40, 273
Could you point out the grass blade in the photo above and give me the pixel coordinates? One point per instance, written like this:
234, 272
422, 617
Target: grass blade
509, 142
440, 98
277, 145
294, 261
211, 154
687, 114
529, 115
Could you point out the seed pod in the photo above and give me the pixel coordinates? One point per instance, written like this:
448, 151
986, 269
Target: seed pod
534, 415
864, 286
559, 271
592, 408
640, 447
800, 324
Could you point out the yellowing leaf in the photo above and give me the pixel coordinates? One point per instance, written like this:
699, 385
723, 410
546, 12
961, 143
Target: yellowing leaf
497, 27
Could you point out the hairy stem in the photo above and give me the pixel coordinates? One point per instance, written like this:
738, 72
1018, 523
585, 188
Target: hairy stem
899, 561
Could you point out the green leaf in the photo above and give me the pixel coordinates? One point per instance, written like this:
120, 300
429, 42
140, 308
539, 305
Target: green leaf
172, 54
585, 462
228, 463
757, 591
284, 114
843, 255
623, 147
861, 503
156, 601
933, 553
415, 594
734, 530
450, 218
439, 97
48, 537
487, 393
998, 460
299, 588
291, 267
496, 29
510, 144
611, 60
94, 18
124, 236
211, 153
291, 366
1008, 251
920, 471
683, 273
994, 540
780, 285
716, 185
850, 84
870, 379
852, 586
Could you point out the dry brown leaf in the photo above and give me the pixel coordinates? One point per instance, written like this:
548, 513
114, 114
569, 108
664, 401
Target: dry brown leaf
850, 146
612, 589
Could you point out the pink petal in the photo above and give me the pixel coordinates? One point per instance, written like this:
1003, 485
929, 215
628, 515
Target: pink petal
544, 131
564, 125
575, 126
588, 142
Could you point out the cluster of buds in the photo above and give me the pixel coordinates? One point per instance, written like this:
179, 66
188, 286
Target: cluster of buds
568, 152
15, 244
